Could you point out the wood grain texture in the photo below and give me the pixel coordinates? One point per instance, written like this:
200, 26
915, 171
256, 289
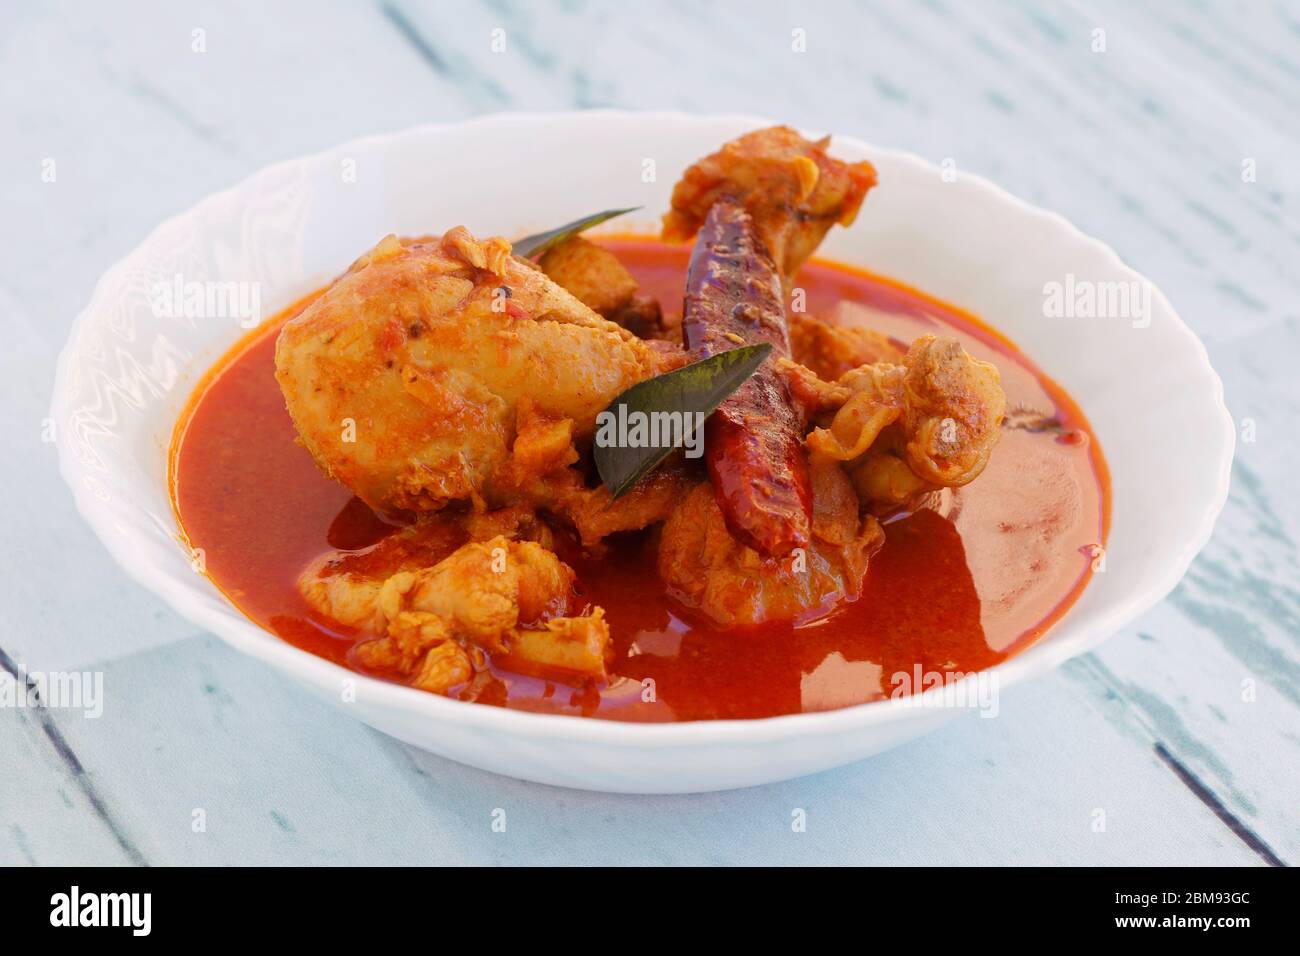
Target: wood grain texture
1182, 730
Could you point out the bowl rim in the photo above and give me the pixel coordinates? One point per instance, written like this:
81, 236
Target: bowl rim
249, 638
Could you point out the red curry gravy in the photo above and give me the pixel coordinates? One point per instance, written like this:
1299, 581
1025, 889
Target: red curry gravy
952, 590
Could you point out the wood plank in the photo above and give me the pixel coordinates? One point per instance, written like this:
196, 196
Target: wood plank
1141, 145
285, 779
52, 812
1213, 672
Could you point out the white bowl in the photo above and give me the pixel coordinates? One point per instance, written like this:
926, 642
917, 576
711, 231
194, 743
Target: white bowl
125, 374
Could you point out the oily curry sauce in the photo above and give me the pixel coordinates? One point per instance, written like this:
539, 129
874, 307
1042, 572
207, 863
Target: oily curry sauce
954, 589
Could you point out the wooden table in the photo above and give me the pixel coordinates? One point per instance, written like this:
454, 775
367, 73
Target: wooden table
1177, 743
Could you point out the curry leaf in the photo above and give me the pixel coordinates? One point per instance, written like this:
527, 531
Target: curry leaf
691, 393
536, 244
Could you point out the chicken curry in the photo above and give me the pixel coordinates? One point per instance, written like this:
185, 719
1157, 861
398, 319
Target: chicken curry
398, 473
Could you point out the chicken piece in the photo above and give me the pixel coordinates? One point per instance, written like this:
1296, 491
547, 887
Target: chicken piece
643, 317
601, 282
419, 646
501, 596
885, 481
790, 185
831, 346
484, 590
939, 413
731, 583
404, 379
345, 586
564, 648
594, 275
543, 443
595, 514
952, 411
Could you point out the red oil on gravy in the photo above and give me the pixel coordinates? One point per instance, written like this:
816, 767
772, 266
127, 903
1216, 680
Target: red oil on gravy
949, 592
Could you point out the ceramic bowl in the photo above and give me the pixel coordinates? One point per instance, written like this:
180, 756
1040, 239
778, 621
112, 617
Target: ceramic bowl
1142, 378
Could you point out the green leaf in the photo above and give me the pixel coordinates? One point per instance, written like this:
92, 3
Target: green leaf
692, 391
535, 245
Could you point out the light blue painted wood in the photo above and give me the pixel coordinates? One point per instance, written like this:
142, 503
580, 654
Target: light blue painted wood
48, 811
280, 777
1142, 145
